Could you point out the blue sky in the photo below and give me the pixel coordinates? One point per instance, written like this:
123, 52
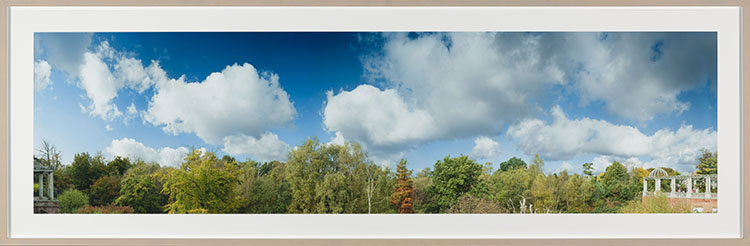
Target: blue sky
645, 99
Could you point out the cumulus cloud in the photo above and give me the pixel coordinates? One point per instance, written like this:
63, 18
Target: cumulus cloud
128, 147
565, 138
267, 148
64, 51
473, 84
42, 71
640, 75
377, 118
338, 139
568, 167
485, 148
100, 85
238, 100
237, 106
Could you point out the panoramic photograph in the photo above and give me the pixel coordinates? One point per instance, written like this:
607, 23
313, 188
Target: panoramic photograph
375, 123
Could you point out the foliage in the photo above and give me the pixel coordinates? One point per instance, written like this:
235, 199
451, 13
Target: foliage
335, 179
71, 200
106, 209
511, 187
86, 169
469, 204
707, 163
656, 204
615, 181
105, 190
118, 166
588, 169
203, 182
140, 189
452, 178
512, 163
63, 179
265, 187
403, 196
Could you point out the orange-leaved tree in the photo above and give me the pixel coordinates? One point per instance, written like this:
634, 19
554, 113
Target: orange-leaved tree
403, 196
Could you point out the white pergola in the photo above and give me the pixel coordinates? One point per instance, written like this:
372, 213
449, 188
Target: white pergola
682, 186
46, 190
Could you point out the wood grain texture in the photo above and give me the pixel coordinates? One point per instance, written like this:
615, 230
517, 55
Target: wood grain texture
4, 52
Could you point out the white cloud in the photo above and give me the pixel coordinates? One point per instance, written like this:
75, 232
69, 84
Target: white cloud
377, 118
640, 75
565, 138
237, 106
338, 139
457, 85
108, 128
485, 148
42, 71
100, 85
465, 86
137, 77
64, 51
568, 167
234, 102
267, 148
128, 147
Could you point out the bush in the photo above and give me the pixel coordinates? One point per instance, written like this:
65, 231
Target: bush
469, 204
658, 204
71, 200
107, 209
105, 190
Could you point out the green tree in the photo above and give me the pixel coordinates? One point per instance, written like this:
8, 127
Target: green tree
105, 190
512, 163
421, 182
71, 200
588, 169
203, 184
452, 178
140, 188
577, 193
118, 166
615, 180
63, 180
86, 169
321, 174
708, 162
332, 195
511, 188
265, 187
403, 195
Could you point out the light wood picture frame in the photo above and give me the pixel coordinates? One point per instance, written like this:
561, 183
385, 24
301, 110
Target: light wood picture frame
5, 131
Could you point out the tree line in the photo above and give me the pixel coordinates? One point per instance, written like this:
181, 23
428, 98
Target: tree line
327, 178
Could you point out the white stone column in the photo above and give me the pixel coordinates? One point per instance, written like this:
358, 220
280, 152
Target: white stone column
689, 187
51, 186
674, 187
708, 187
658, 185
41, 186
645, 187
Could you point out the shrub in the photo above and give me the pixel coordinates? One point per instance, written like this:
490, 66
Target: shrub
71, 200
469, 204
106, 209
657, 204
105, 190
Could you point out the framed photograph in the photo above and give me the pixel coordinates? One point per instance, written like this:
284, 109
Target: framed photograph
187, 124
